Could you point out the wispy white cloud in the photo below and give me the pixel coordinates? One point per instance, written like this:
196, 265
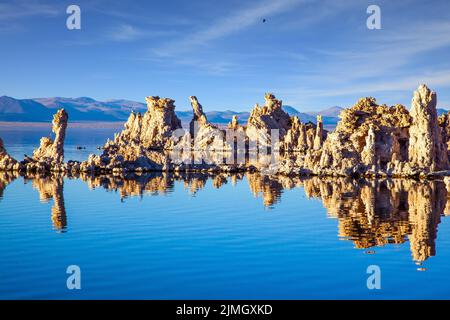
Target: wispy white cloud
216, 67
436, 78
134, 12
125, 32
233, 23
14, 13
393, 62
128, 32
310, 15
120, 32
187, 49
20, 9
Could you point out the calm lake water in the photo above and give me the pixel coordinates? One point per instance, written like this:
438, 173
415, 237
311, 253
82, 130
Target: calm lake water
164, 236
24, 139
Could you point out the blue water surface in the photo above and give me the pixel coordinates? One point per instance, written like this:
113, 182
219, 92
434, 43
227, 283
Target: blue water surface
171, 241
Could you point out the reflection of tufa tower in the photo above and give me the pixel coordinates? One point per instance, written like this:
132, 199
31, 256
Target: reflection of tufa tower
51, 187
380, 212
155, 183
5, 179
270, 189
369, 212
426, 204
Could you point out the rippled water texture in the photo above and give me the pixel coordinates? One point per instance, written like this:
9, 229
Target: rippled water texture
242, 236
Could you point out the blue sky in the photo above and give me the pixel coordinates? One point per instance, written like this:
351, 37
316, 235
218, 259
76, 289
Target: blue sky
311, 54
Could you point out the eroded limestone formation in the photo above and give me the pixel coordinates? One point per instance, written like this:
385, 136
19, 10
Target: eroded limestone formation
376, 140
302, 137
267, 123
153, 130
142, 142
234, 124
48, 157
205, 135
369, 140
319, 134
52, 151
426, 148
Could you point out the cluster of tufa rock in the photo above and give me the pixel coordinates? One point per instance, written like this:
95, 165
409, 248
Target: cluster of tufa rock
369, 140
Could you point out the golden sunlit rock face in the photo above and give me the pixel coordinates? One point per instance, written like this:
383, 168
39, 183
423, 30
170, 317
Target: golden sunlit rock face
370, 213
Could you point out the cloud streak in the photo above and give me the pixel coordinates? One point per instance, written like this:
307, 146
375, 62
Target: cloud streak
239, 20
393, 61
21, 9
126, 32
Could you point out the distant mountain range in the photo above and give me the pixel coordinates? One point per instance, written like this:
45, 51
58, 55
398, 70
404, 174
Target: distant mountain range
88, 109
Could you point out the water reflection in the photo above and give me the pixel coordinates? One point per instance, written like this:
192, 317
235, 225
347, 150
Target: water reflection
370, 213
5, 179
51, 187
376, 213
